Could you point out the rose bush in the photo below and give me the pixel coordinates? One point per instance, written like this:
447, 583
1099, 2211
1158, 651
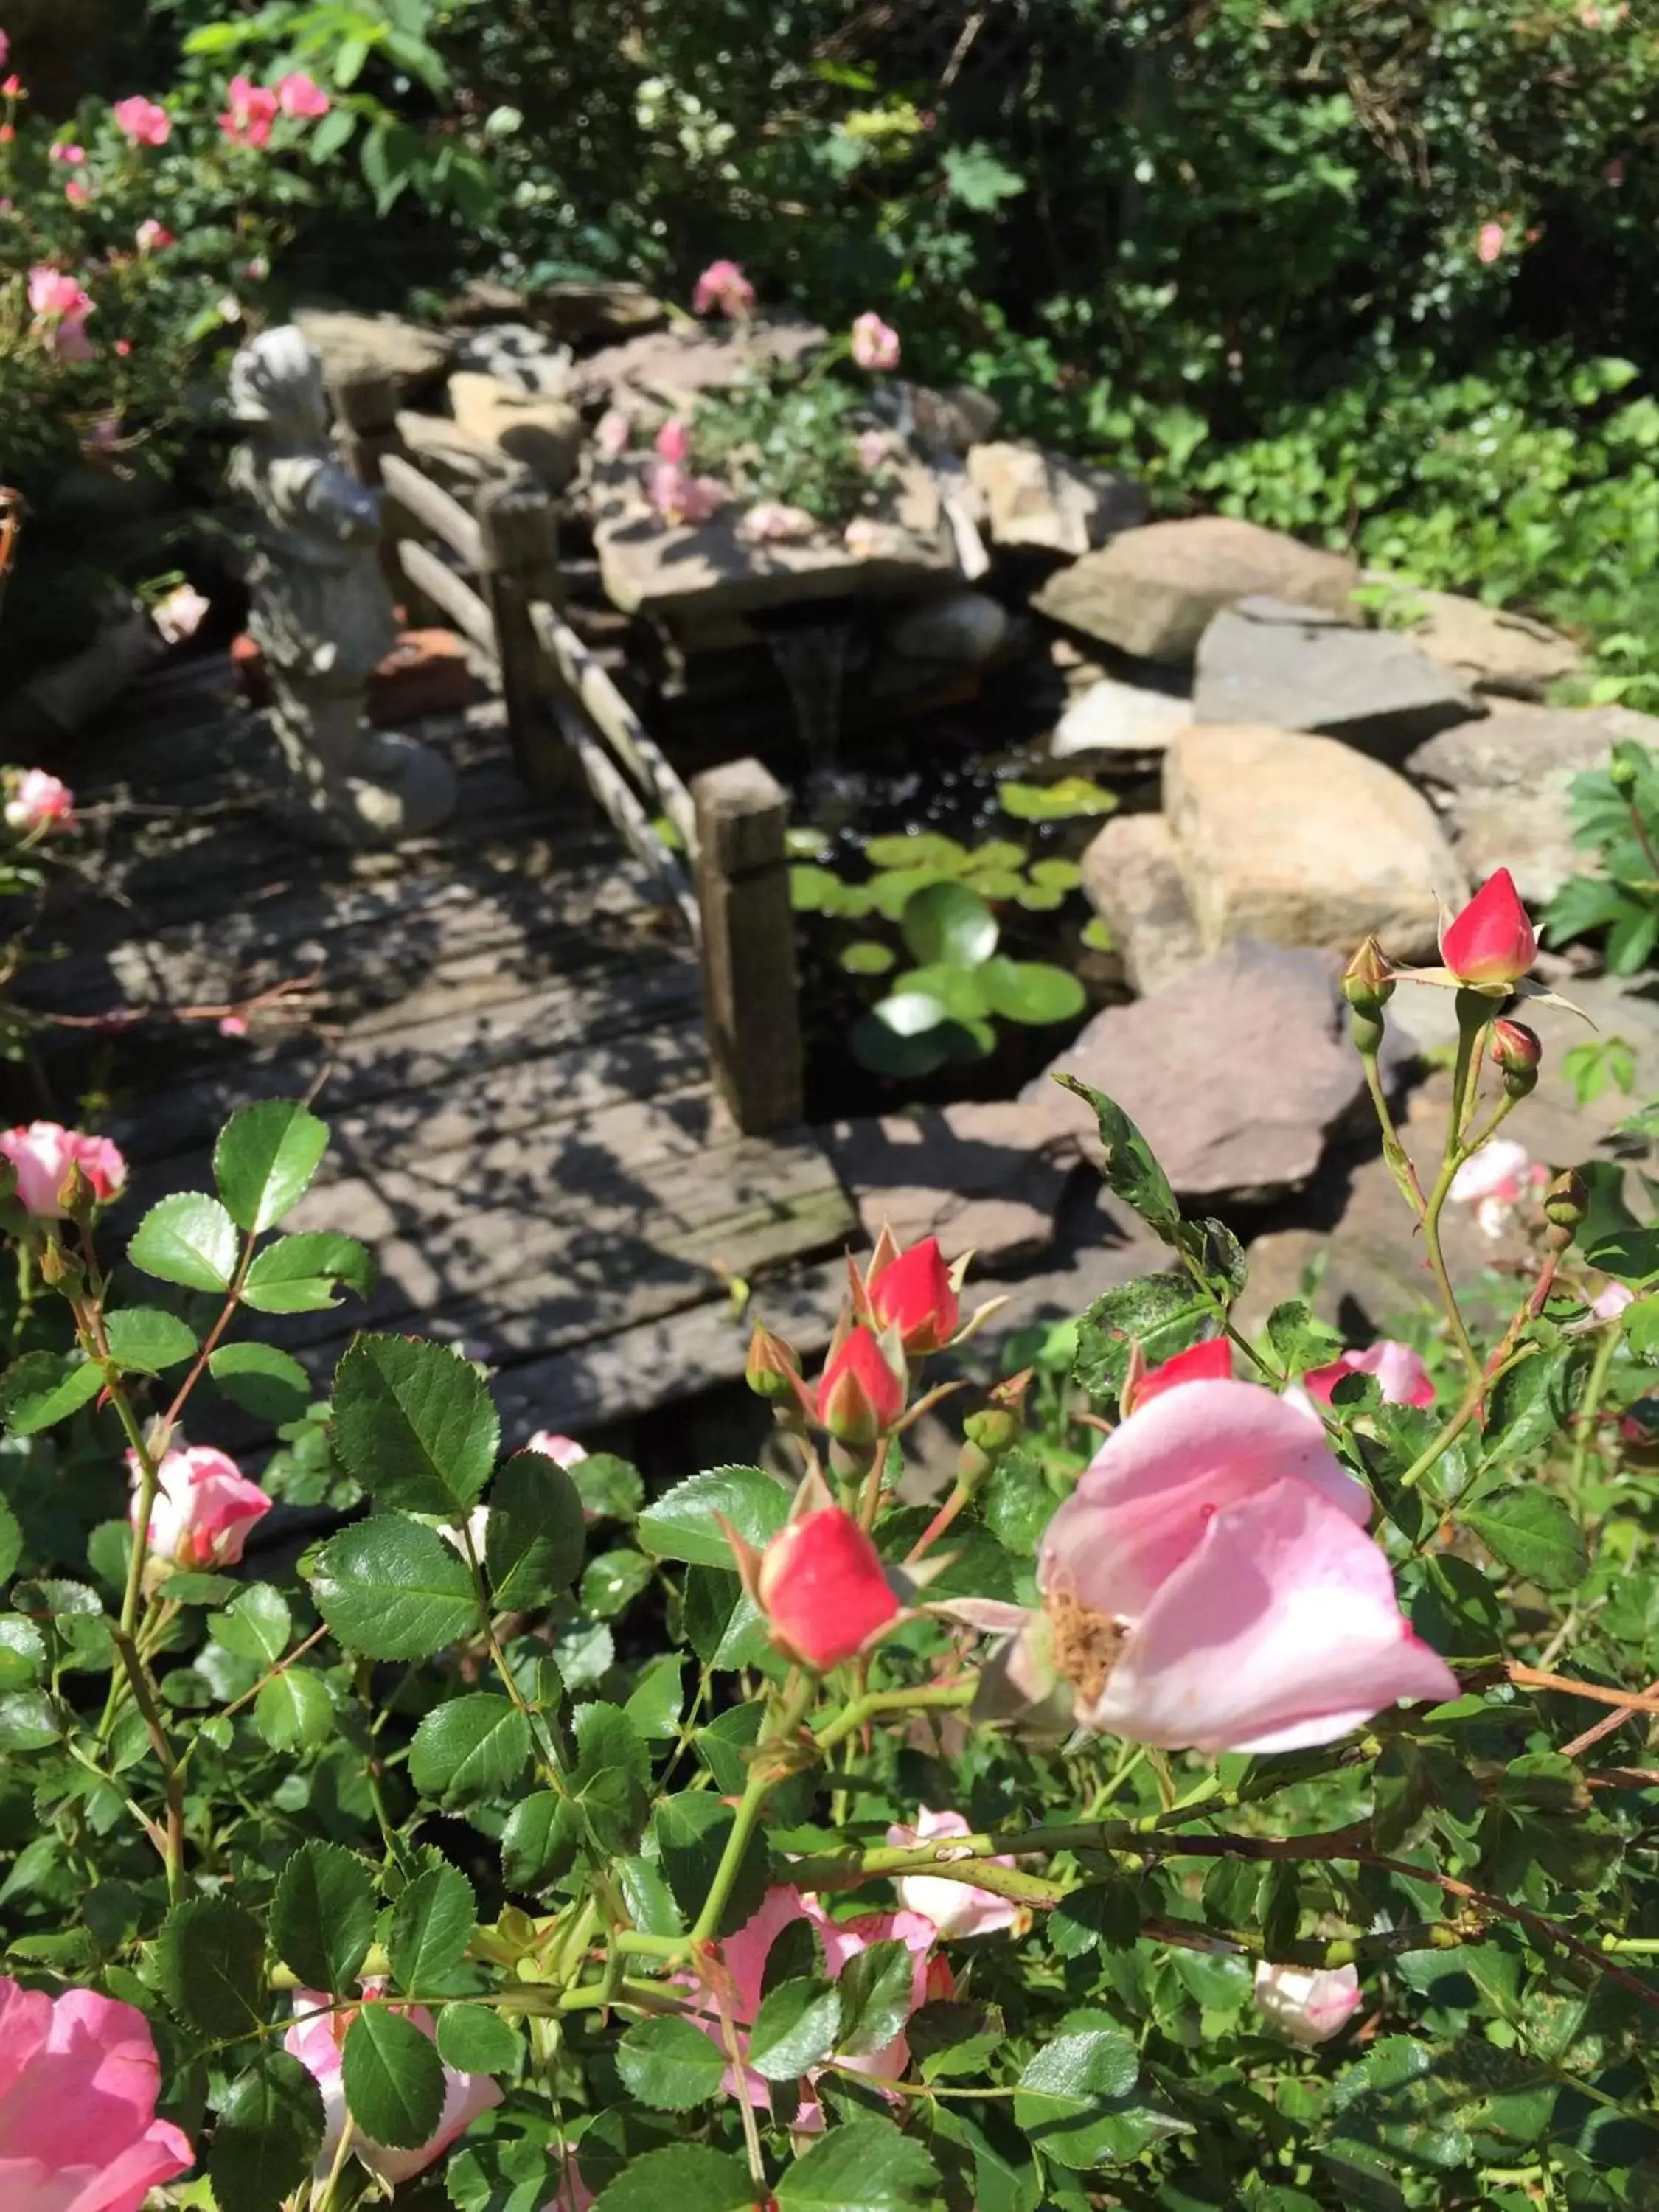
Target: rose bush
1247, 1806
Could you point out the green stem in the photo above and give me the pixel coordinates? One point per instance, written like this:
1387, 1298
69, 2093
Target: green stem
1583, 1426
137, 1675
762, 1778
1432, 1213
1395, 1154
928, 1697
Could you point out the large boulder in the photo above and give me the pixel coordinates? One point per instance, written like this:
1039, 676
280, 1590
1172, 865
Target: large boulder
1503, 786
1236, 1072
674, 367
1047, 502
981, 1175
442, 450
1115, 717
1132, 879
516, 355
1497, 652
1154, 591
1304, 840
353, 346
1305, 668
528, 428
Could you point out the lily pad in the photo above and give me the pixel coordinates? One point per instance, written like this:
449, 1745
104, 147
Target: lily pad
998, 884
948, 924
1040, 898
998, 857
866, 956
891, 891
1072, 796
1056, 874
906, 1036
813, 889
924, 848
958, 990
1031, 991
1096, 934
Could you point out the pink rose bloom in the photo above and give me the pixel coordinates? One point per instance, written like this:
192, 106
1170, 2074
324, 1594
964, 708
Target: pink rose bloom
232, 1025
204, 1507
564, 1451
1613, 1302
1309, 2005
141, 121
873, 448
51, 292
1489, 241
773, 522
77, 194
63, 151
1493, 1180
250, 113
1401, 1374
152, 236
317, 2039
5, 49
723, 288
572, 2193
678, 497
43, 1155
614, 433
37, 799
955, 1908
875, 343
79, 2078
300, 95
673, 441
181, 613
1210, 1583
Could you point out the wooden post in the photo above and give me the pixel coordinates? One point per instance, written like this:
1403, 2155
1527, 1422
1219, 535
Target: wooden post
365, 403
753, 1004
521, 564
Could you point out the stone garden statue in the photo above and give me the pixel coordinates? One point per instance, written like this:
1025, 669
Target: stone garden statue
322, 615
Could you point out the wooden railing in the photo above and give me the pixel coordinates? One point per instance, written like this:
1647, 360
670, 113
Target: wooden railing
723, 864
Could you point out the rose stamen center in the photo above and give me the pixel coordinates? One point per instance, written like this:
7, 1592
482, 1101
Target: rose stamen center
1086, 1645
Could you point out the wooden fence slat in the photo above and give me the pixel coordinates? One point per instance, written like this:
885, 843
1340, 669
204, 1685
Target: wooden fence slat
449, 593
615, 720
431, 506
753, 1003
628, 816
519, 566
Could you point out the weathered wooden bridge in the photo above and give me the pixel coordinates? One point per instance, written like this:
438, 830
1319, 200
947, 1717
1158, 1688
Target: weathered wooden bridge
559, 1055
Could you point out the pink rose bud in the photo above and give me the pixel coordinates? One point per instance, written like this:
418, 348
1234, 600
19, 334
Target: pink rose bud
1209, 1362
1489, 241
914, 1295
1400, 1375
723, 288
5, 49
38, 801
232, 1025
63, 151
141, 121
673, 441
300, 95
204, 1507
859, 1396
821, 1586
317, 2039
78, 195
13, 87
45, 1152
1209, 1584
875, 343
78, 2130
955, 1908
1308, 2005
153, 237
1518, 1052
251, 110
1491, 945
873, 448
564, 1451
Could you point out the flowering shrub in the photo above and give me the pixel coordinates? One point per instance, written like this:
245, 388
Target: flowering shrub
1253, 1815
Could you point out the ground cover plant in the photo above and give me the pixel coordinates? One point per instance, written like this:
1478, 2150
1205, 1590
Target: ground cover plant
1249, 1808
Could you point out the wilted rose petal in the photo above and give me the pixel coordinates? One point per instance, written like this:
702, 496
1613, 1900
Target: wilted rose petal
1308, 2005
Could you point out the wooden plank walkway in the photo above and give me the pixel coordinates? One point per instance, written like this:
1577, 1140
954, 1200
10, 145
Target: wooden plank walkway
503, 1027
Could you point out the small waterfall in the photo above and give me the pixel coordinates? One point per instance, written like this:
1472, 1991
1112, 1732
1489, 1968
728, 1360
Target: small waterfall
810, 652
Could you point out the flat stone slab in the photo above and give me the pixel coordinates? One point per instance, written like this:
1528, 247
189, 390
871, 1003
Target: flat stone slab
1154, 591
1114, 717
1047, 501
412, 354
1304, 840
986, 1177
1503, 785
1302, 668
1133, 880
1236, 1072
1497, 651
674, 365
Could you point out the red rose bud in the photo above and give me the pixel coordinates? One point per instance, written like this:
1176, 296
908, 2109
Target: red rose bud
1492, 943
1203, 1363
773, 1366
1516, 1049
859, 1397
821, 1589
914, 1295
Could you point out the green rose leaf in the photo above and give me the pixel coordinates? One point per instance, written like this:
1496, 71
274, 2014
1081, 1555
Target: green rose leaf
294, 1711
866, 2166
393, 1589
795, 2028
414, 1424
670, 2064
42, 1388
680, 1524
1164, 1313
267, 2134
322, 1916
875, 1987
1078, 2082
474, 2038
211, 1956
394, 2078
256, 1626
265, 1159
540, 1842
303, 1273
611, 1488
28, 1721
11, 1543
691, 1829
535, 1534
474, 1746
1532, 1532
687, 2177
145, 1341
269, 1385
187, 1239
1130, 1167
432, 1924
